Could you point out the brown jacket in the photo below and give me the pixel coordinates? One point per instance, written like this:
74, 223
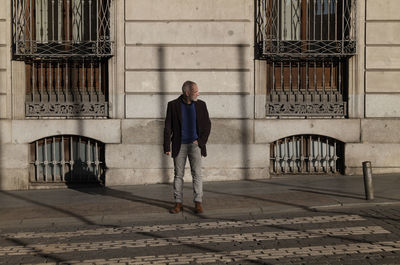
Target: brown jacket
173, 126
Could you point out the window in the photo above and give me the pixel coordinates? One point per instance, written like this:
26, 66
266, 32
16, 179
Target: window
304, 88
66, 45
305, 28
51, 28
66, 88
67, 159
307, 154
306, 45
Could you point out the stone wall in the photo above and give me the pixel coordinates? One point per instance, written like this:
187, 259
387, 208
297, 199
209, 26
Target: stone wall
167, 43
379, 129
161, 44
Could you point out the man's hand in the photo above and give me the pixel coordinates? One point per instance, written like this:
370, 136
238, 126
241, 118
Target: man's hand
196, 143
168, 153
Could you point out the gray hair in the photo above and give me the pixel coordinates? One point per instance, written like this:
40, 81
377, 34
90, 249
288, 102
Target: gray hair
188, 86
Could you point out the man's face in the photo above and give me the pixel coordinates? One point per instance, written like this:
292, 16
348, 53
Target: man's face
194, 93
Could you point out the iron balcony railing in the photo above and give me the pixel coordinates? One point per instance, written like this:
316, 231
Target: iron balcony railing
66, 88
61, 28
307, 154
67, 159
305, 28
307, 88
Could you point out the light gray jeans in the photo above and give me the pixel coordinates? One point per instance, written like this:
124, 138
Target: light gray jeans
192, 151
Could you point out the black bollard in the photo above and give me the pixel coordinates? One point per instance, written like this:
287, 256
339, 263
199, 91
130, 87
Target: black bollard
367, 172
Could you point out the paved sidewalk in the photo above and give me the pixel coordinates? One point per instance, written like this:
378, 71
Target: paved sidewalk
115, 205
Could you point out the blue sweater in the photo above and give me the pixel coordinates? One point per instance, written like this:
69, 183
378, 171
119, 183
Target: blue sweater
189, 131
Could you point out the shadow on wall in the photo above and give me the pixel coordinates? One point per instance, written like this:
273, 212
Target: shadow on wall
162, 105
244, 109
1, 155
81, 175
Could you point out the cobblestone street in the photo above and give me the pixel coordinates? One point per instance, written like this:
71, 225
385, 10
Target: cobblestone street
308, 220
368, 235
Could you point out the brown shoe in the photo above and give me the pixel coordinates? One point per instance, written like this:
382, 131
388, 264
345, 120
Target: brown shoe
198, 207
177, 208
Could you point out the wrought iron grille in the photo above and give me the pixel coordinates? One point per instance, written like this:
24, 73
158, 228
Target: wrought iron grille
305, 28
66, 88
67, 159
60, 28
307, 154
306, 88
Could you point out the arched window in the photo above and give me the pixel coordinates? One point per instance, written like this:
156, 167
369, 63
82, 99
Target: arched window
67, 159
307, 154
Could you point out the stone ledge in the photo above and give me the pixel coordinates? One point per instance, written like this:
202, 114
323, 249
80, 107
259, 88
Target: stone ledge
223, 131
27, 131
147, 156
268, 131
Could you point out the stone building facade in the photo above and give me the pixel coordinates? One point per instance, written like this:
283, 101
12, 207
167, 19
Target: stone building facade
110, 130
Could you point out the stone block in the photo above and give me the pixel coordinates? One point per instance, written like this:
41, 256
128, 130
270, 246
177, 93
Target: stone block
231, 131
383, 33
27, 131
118, 176
383, 82
143, 131
3, 34
171, 82
268, 131
3, 106
385, 158
117, 106
382, 105
3, 82
206, 32
14, 179
138, 57
5, 131
188, 10
219, 106
380, 130
237, 156
383, 10
3, 11
14, 156
18, 85
383, 57
137, 156
3, 57
147, 106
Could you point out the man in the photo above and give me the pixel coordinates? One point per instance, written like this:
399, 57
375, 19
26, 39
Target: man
188, 126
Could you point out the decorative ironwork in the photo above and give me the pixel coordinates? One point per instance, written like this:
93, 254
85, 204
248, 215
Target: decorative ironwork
307, 154
66, 109
305, 28
67, 159
306, 88
66, 89
337, 109
61, 28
